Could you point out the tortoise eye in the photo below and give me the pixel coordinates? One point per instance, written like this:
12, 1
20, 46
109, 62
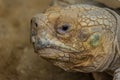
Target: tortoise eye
63, 29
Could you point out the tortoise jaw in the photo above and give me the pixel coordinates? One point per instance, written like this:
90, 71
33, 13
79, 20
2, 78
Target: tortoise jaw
53, 54
64, 60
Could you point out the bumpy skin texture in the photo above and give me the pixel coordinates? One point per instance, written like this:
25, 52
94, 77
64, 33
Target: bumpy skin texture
80, 38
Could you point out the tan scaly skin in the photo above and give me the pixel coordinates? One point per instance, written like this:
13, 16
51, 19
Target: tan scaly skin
80, 38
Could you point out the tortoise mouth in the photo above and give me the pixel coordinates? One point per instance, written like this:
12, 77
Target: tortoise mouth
62, 56
54, 54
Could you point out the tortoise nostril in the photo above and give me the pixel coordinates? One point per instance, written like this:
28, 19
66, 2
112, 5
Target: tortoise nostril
36, 25
34, 22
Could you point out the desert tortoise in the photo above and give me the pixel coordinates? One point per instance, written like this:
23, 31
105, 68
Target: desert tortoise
79, 37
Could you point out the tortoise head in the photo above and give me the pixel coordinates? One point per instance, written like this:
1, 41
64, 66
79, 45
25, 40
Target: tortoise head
75, 38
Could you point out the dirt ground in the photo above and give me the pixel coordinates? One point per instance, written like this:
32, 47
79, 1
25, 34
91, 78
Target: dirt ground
17, 58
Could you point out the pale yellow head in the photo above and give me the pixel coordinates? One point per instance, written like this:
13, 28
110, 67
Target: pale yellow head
75, 38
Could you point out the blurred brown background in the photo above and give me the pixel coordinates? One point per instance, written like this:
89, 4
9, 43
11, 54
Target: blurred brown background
17, 58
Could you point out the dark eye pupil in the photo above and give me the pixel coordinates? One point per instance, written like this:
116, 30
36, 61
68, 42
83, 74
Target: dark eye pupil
65, 27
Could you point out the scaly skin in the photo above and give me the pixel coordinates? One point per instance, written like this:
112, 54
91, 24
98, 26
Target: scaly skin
78, 38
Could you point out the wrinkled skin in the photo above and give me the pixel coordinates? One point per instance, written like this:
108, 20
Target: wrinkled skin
77, 38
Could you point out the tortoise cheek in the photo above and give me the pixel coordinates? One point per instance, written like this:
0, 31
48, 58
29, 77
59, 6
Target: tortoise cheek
94, 40
83, 35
